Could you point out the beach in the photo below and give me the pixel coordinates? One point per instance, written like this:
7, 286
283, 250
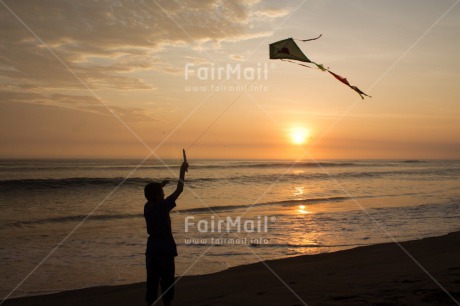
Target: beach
382, 274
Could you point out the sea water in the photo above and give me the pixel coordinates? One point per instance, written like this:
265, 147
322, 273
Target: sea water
68, 224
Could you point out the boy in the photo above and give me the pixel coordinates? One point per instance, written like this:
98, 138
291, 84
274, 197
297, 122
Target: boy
161, 247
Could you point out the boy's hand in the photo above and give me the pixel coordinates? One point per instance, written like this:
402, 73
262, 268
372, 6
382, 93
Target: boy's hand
181, 181
184, 166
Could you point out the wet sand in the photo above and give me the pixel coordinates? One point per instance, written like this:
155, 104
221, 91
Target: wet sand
381, 275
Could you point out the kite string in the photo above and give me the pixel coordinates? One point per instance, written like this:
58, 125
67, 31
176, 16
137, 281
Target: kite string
285, 60
218, 117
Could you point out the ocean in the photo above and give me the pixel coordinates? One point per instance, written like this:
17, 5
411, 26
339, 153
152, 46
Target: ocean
68, 224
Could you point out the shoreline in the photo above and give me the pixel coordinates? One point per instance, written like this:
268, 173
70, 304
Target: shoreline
380, 274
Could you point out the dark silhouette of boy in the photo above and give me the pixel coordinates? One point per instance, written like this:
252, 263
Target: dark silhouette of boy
161, 247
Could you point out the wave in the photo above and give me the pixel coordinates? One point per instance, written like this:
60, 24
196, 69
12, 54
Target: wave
65, 166
280, 203
74, 218
29, 184
75, 182
210, 209
291, 245
289, 164
449, 209
257, 178
197, 165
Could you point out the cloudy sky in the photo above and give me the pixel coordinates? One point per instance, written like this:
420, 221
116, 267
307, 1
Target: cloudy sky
117, 79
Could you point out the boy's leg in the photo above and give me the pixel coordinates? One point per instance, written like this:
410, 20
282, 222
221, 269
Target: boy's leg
167, 280
153, 278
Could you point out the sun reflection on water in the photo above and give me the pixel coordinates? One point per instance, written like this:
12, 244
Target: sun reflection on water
301, 210
298, 191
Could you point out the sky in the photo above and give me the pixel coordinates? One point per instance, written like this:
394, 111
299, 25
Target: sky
125, 79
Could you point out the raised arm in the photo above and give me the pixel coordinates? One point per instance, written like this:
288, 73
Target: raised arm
180, 183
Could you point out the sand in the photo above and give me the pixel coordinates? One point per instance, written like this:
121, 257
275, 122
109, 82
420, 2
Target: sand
372, 275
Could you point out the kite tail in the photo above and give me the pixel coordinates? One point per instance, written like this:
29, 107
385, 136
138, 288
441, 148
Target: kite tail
361, 93
320, 66
304, 40
345, 81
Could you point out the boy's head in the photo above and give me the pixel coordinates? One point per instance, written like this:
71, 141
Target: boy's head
154, 191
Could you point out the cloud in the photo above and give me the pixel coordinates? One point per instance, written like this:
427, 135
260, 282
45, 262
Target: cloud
79, 103
103, 41
272, 12
110, 45
237, 57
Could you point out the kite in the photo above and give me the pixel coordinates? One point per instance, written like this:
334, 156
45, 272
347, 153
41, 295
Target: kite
288, 50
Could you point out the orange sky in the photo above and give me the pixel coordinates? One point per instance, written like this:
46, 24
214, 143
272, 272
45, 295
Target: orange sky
108, 80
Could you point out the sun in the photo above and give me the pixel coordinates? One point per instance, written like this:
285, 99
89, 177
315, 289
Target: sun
299, 135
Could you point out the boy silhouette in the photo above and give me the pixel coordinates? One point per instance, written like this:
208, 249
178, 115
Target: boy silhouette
161, 247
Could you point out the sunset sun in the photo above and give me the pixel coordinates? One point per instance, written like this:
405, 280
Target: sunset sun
299, 135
